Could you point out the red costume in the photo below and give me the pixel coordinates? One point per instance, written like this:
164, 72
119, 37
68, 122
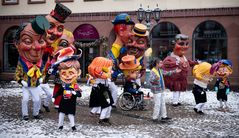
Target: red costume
178, 82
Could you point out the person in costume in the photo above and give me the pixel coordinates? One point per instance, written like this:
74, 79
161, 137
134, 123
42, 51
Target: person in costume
177, 83
222, 85
203, 75
69, 70
57, 19
66, 40
30, 43
123, 25
100, 97
131, 69
157, 86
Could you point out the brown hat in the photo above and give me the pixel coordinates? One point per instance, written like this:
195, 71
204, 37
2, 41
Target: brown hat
129, 62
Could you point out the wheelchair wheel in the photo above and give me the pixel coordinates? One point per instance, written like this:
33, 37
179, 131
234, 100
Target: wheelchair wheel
126, 101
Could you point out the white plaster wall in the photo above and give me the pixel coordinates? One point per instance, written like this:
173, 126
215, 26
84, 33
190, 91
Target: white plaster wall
79, 6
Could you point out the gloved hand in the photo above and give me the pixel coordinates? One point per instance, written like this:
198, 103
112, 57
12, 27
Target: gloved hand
40, 80
216, 89
50, 71
108, 100
227, 91
24, 83
53, 100
79, 94
73, 92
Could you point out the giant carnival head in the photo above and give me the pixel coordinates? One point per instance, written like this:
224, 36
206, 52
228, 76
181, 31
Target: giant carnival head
66, 40
202, 72
138, 42
57, 19
101, 68
130, 67
68, 65
181, 44
123, 26
222, 68
30, 39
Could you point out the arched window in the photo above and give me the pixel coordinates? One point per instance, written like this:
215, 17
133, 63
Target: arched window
87, 33
161, 38
210, 42
10, 54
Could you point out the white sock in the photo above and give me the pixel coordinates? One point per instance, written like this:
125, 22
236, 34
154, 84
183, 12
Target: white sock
61, 119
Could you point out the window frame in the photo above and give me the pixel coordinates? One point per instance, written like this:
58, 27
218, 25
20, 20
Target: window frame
10, 2
36, 1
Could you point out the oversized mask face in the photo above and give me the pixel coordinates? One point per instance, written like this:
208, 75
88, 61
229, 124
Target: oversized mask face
133, 74
55, 31
69, 75
31, 45
65, 41
181, 46
137, 46
224, 71
125, 33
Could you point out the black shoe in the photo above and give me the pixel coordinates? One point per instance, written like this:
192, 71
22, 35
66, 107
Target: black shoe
196, 110
25, 117
200, 112
104, 122
166, 118
101, 121
40, 111
46, 108
113, 106
155, 120
107, 121
175, 105
37, 117
73, 128
179, 104
60, 127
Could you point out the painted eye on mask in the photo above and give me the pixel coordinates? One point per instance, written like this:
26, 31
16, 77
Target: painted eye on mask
52, 26
130, 41
41, 41
64, 44
183, 43
27, 41
140, 42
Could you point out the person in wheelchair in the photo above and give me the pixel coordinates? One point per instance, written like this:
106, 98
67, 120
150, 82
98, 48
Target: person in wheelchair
131, 69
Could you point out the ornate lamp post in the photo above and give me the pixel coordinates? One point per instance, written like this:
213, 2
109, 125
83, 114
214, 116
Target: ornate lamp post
146, 15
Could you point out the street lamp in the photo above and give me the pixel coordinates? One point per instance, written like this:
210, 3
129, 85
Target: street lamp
156, 13
140, 14
146, 14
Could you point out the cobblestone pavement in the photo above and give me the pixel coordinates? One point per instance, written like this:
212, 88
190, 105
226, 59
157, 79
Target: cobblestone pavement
185, 122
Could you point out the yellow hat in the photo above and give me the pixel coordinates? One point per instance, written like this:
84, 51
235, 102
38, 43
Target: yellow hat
140, 30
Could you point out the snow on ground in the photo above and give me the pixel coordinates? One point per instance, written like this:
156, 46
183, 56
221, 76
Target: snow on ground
186, 126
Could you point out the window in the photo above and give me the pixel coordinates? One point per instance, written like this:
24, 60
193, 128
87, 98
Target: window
209, 42
161, 38
10, 52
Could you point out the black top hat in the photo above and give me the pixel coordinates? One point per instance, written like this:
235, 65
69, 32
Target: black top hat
60, 13
40, 24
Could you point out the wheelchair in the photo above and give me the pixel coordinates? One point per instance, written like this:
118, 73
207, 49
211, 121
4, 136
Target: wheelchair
128, 101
